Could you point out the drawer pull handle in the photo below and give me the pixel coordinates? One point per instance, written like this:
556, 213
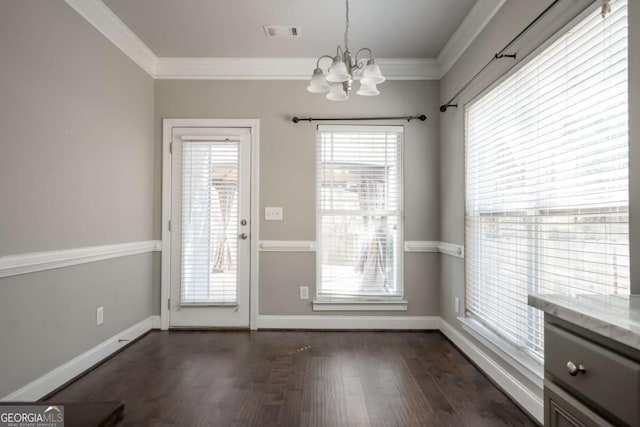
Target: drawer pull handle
574, 369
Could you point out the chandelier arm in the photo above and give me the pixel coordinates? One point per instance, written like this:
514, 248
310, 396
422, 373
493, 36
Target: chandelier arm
360, 64
323, 56
347, 68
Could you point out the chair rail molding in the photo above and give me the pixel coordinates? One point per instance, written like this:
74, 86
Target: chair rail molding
421, 246
434, 246
287, 246
451, 249
417, 246
13, 265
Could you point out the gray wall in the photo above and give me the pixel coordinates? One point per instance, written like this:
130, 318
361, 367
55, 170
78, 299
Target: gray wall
287, 178
511, 18
76, 170
81, 166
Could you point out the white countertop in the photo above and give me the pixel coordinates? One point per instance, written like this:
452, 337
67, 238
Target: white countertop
613, 316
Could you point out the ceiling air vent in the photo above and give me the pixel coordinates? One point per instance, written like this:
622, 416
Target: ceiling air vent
281, 31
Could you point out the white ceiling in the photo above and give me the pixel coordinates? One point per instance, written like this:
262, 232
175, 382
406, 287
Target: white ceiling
233, 28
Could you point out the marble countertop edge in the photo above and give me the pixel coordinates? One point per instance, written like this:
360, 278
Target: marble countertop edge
613, 316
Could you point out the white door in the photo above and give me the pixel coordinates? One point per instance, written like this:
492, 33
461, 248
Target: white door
210, 224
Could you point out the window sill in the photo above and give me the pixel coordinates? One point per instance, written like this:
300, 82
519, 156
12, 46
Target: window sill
506, 351
350, 305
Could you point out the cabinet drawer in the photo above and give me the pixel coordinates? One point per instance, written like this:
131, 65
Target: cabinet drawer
560, 410
610, 381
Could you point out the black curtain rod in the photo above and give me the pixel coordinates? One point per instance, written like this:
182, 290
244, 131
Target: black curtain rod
499, 55
297, 119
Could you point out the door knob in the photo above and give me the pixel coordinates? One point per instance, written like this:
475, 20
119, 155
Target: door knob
243, 236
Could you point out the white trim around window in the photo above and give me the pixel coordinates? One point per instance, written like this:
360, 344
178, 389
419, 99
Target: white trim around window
546, 180
359, 196
351, 305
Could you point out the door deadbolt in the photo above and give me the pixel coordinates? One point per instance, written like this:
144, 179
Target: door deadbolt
243, 222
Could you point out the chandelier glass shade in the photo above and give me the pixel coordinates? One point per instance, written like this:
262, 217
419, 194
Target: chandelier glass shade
368, 90
318, 82
344, 69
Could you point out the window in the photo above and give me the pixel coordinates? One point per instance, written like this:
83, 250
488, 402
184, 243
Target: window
547, 206
359, 253
209, 229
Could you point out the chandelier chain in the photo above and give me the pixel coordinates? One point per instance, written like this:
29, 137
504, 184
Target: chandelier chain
346, 28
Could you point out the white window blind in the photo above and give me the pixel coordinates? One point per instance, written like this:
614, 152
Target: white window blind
547, 206
209, 222
359, 190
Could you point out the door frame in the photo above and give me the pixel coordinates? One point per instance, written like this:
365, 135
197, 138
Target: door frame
165, 274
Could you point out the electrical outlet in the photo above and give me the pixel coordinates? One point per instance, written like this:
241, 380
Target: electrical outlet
304, 292
456, 305
99, 315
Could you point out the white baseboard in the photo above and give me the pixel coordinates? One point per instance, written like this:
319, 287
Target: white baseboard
61, 375
348, 322
526, 398
156, 323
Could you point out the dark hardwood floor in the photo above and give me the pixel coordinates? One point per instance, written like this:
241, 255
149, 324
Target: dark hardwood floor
297, 378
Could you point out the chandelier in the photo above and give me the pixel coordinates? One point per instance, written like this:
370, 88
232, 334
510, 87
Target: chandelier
343, 69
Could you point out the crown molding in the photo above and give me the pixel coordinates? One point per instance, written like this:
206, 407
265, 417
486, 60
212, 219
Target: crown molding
235, 68
105, 21
280, 68
475, 21
409, 68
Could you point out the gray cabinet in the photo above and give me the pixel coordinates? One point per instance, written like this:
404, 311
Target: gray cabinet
587, 382
562, 410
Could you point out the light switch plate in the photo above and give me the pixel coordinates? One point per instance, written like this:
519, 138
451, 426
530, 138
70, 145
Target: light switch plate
99, 315
304, 292
273, 214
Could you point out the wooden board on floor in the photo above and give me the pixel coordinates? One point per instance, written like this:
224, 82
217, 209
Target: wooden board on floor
297, 378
